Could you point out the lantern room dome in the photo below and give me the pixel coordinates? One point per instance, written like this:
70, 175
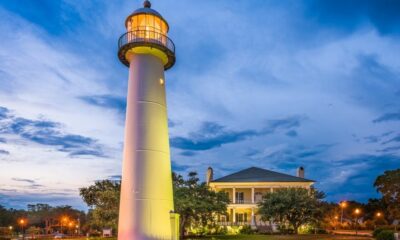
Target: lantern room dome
146, 9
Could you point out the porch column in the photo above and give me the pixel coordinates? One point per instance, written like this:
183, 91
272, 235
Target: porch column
252, 217
252, 195
234, 216
272, 190
234, 195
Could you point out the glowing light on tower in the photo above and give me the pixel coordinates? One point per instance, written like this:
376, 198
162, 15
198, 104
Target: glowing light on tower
146, 205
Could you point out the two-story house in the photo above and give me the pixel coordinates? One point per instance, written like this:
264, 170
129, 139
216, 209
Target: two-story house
247, 187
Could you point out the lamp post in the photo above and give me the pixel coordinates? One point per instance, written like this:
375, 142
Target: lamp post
22, 223
343, 205
378, 215
357, 212
63, 220
11, 230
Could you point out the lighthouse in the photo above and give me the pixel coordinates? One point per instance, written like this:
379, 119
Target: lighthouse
146, 205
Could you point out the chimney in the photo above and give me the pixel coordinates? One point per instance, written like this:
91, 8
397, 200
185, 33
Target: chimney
209, 176
300, 172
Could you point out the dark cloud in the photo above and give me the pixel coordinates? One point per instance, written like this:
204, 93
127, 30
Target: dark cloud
3, 112
213, 135
4, 152
291, 133
179, 167
32, 183
351, 15
117, 103
3, 140
24, 180
390, 149
188, 153
362, 170
50, 133
17, 200
388, 117
394, 139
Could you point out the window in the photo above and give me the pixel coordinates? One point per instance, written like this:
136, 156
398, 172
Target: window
239, 197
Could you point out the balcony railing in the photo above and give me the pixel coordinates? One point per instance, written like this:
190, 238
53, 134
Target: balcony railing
234, 223
243, 202
149, 38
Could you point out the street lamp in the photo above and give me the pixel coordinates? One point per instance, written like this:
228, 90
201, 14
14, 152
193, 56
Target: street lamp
378, 215
22, 223
10, 228
357, 211
343, 205
63, 220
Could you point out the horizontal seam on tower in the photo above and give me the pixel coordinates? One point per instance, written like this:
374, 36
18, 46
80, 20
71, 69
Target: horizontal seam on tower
152, 103
152, 150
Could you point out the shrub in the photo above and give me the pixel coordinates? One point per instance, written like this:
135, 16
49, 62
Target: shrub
247, 230
385, 235
380, 229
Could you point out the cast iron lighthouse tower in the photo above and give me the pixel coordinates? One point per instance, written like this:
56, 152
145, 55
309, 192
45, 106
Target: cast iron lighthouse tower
146, 205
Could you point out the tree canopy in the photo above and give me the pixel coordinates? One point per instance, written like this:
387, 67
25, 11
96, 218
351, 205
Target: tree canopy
197, 205
388, 185
103, 199
295, 206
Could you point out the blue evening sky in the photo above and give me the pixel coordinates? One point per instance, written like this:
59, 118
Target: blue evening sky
272, 84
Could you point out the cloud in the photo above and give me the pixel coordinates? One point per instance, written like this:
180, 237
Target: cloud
107, 101
50, 133
24, 180
179, 167
4, 152
394, 139
213, 135
351, 15
188, 153
291, 133
390, 149
388, 117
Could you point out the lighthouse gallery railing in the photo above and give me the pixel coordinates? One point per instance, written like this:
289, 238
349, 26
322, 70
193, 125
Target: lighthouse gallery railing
148, 37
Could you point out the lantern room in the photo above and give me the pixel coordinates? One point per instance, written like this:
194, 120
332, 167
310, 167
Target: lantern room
146, 19
146, 33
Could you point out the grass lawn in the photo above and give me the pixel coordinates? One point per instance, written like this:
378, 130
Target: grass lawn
266, 237
286, 237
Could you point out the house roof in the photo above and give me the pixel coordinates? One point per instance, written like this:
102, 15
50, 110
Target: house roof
255, 174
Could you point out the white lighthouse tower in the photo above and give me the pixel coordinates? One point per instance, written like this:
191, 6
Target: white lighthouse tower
146, 205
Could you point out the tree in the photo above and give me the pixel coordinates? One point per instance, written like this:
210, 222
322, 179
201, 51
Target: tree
103, 199
196, 203
295, 206
388, 185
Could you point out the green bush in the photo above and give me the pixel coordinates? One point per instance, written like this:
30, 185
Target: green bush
385, 235
380, 229
247, 230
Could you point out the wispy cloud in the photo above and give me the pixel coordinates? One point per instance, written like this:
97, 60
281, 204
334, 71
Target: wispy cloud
107, 101
49, 133
4, 152
388, 117
213, 135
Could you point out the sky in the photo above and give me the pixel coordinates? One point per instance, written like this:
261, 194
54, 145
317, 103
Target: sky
271, 84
